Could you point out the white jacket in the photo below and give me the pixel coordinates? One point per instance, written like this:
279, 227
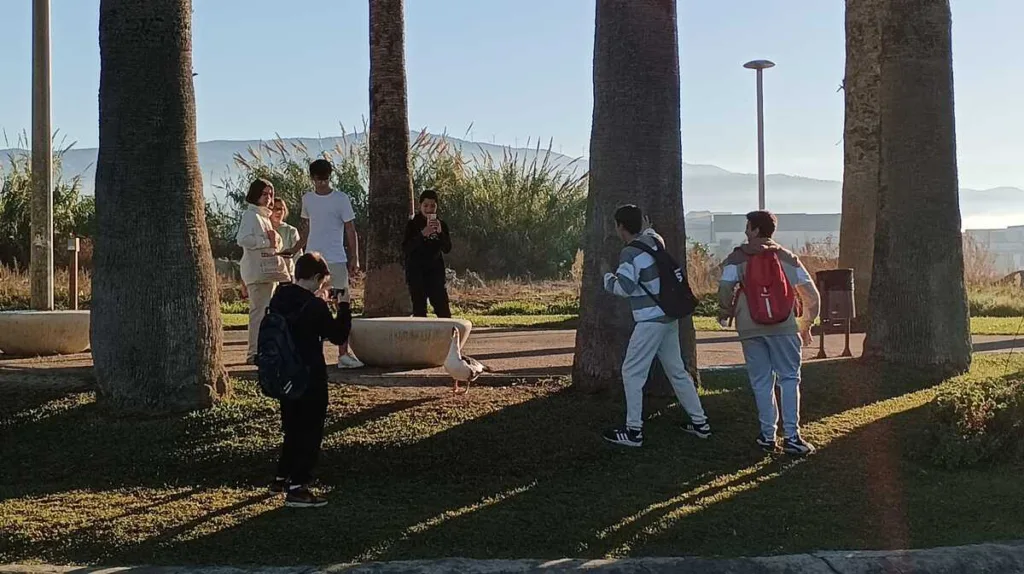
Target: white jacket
252, 238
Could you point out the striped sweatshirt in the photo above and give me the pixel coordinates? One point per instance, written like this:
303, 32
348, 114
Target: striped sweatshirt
635, 267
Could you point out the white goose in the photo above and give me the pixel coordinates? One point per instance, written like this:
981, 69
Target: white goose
462, 368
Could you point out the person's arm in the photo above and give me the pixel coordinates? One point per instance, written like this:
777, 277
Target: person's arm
445, 239
333, 328
251, 234
727, 291
348, 217
623, 282
352, 243
807, 291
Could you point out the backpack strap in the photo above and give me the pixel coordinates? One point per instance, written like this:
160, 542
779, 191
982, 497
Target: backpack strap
647, 249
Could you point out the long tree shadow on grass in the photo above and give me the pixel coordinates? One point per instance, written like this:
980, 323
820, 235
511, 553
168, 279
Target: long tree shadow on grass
475, 476
531, 479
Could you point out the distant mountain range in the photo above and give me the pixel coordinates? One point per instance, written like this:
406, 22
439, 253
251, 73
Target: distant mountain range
705, 187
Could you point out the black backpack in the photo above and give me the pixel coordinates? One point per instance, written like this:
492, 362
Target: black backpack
282, 372
676, 298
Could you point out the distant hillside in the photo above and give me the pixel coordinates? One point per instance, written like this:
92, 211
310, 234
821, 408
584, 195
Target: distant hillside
705, 187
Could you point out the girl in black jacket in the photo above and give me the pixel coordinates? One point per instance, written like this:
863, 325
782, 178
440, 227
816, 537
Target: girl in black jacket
426, 242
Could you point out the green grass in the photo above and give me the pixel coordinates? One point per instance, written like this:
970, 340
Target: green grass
997, 325
416, 473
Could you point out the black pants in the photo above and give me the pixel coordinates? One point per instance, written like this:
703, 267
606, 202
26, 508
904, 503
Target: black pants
428, 284
302, 420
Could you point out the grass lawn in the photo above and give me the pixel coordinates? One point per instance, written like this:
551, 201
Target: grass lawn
979, 325
505, 472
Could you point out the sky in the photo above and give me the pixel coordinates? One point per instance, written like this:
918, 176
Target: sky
506, 72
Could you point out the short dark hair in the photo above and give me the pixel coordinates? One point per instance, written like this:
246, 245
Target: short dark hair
429, 194
320, 169
256, 190
630, 217
310, 265
764, 222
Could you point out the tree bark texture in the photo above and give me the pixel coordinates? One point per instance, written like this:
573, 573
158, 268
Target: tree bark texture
918, 298
635, 157
390, 197
860, 145
156, 328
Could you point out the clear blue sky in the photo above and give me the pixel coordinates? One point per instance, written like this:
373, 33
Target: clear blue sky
522, 69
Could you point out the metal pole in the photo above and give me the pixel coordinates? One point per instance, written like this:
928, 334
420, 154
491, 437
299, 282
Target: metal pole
73, 248
41, 262
760, 139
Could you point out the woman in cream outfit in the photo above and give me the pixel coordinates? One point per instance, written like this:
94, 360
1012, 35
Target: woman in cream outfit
261, 268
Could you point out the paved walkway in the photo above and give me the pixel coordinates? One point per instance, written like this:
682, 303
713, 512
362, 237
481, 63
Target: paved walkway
513, 354
979, 558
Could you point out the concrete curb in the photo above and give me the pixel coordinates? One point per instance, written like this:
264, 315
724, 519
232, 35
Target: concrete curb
1007, 557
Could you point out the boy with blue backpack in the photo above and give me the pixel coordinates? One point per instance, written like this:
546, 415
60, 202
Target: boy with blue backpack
292, 369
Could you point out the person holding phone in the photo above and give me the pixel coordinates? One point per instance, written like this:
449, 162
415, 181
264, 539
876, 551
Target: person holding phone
426, 242
312, 322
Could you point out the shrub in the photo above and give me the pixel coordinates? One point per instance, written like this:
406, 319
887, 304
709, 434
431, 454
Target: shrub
977, 422
996, 301
73, 214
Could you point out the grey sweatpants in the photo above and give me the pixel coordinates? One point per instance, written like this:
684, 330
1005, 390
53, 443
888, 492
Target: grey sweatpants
661, 340
775, 360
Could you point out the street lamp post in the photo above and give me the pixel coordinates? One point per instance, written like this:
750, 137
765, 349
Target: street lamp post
760, 66
41, 251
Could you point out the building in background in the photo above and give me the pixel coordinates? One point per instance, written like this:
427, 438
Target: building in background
723, 232
1006, 246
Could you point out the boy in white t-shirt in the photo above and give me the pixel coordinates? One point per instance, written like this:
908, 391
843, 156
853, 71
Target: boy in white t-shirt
328, 227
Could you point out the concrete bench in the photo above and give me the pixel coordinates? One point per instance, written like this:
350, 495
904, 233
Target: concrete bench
41, 333
405, 341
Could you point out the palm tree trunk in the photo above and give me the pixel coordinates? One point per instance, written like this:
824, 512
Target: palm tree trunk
860, 145
156, 328
635, 157
390, 200
919, 308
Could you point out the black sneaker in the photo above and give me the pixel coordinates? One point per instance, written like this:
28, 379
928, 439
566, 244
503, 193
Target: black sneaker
301, 497
797, 446
625, 437
278, 485
700, 431
767, 444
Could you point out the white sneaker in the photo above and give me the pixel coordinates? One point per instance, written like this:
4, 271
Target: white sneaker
349, 361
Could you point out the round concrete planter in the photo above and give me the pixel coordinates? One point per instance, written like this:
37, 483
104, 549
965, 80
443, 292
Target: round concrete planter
36, 333
405, 341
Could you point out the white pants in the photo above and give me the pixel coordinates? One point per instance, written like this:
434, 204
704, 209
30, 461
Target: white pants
339, 275
259, 298
661, 340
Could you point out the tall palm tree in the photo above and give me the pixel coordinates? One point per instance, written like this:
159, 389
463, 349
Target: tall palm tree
390, 201
860, 144
635, 157
156, 329
919, 314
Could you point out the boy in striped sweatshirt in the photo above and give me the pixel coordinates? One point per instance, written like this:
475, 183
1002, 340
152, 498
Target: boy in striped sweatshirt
655, 334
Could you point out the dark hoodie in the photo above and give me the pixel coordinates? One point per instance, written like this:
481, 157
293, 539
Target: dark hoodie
423, 254
313, 325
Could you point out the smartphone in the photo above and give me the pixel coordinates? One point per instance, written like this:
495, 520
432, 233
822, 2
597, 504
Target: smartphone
431, 216
339, 295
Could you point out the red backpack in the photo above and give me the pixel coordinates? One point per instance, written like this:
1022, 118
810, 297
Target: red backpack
770, 297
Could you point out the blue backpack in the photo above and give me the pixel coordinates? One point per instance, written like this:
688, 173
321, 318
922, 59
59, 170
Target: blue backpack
282, 373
